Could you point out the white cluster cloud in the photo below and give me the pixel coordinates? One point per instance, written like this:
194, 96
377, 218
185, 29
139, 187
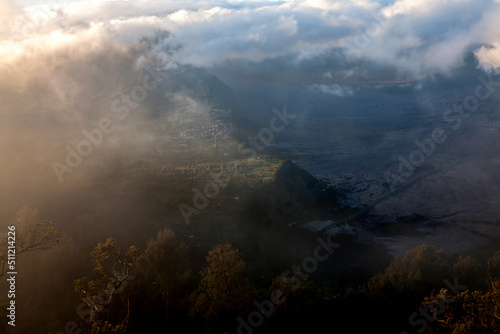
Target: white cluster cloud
413, 36
489, 57
334, 89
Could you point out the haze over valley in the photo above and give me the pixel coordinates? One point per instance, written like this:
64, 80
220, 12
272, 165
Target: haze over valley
240, 167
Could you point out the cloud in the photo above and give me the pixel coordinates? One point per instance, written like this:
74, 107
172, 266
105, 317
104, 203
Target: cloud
417, 7
489, 56
426, 36
7, 12
412, 37
334, 89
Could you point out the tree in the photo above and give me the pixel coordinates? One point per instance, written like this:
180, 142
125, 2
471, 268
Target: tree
494, 265
295, 292
224, 291
471, 271
113, 270
164, 263
31, 234
469, 312
417, 273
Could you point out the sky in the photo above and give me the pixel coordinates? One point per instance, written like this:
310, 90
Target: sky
414, 37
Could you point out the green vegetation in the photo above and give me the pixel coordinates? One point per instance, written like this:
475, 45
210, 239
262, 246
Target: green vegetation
239, 247
475, 310
113, 269
419, 271
156, 290
225, 292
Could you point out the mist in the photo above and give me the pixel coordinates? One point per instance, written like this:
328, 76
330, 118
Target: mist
115, 114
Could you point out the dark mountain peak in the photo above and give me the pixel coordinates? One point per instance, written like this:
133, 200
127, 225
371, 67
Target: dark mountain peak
292, 177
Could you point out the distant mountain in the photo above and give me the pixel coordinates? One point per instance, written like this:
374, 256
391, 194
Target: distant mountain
199, 84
